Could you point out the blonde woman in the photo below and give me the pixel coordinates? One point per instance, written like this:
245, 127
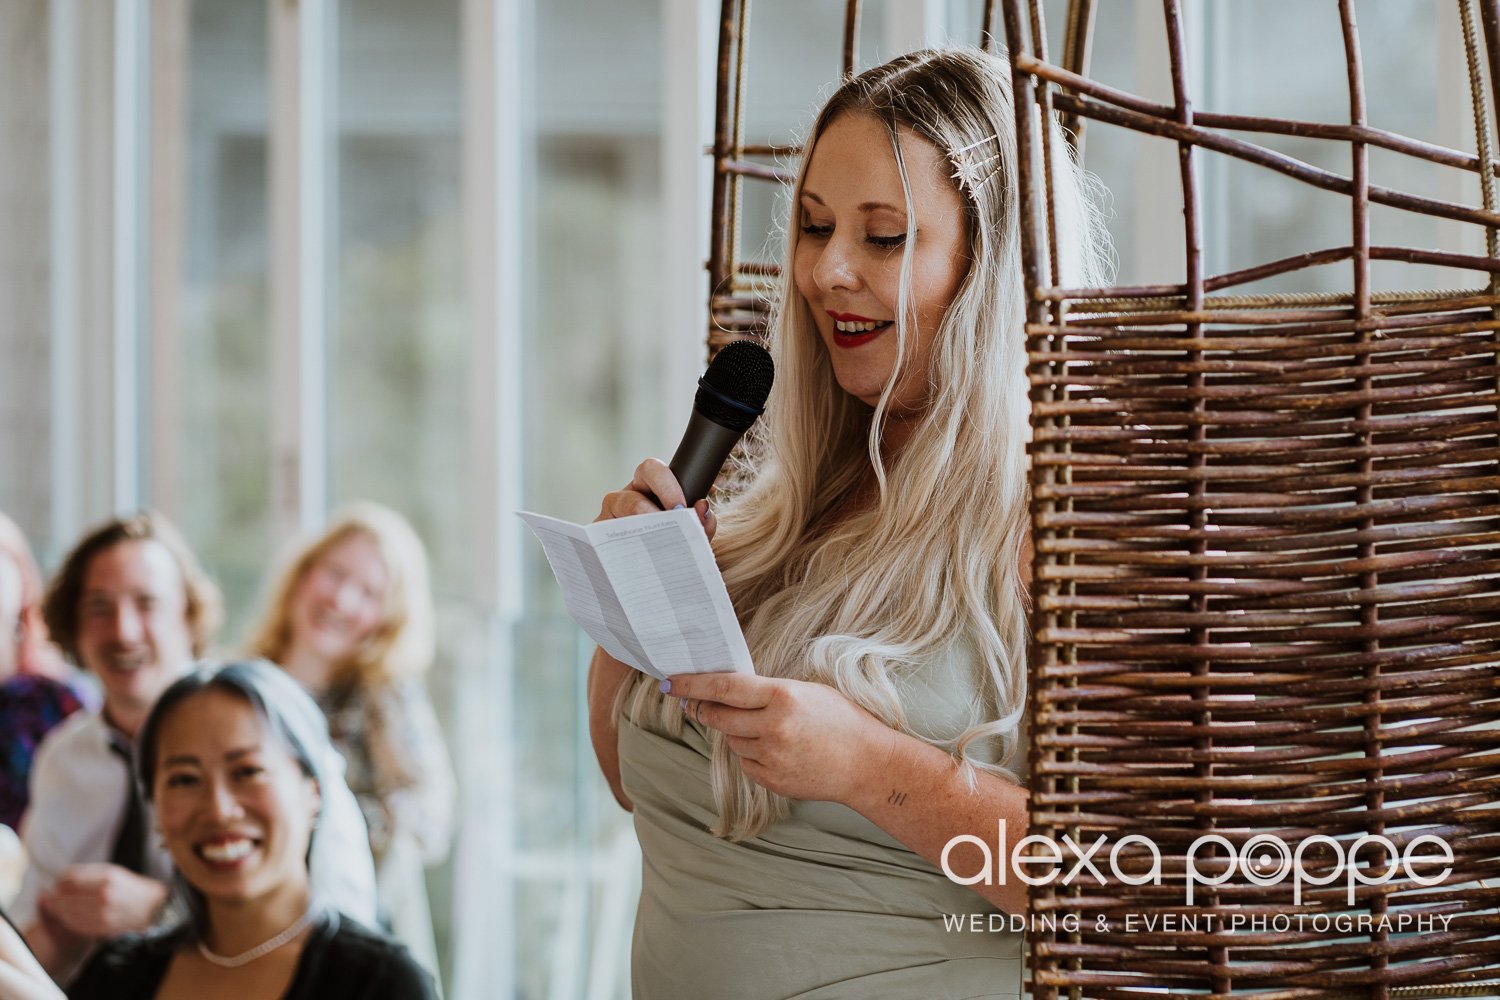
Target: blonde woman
34, 652
351, 618
792, 822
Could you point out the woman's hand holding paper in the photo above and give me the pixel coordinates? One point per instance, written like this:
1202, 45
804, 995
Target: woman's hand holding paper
806, 740
799, 738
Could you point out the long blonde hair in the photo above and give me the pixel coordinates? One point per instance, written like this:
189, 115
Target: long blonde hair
863, 599
402, 644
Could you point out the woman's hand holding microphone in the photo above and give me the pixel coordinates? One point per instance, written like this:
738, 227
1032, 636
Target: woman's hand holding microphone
653, 488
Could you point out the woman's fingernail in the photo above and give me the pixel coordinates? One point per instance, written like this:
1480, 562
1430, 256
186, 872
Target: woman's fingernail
666, 686
678, 507
682, 704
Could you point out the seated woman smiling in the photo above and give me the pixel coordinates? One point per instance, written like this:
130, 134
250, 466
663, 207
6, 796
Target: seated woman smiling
351, 619
232, 758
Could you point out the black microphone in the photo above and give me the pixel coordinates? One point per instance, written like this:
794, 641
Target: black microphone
731, 394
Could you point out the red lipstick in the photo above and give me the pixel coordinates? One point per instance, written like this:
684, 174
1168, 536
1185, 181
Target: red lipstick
850, 340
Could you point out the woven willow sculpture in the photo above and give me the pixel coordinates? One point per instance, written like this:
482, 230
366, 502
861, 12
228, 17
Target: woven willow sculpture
1266, 592
1267, 578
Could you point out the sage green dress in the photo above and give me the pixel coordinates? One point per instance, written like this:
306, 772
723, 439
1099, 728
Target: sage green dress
824, 905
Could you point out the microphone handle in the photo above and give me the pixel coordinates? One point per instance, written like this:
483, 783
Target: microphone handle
704, 449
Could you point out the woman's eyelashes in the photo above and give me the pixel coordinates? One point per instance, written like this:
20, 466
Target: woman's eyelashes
891, 242
189, 779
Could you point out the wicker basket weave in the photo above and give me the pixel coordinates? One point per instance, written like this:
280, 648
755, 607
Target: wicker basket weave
1267, 534
1268, 568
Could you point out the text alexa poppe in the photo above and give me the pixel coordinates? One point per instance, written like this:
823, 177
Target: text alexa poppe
1262, 860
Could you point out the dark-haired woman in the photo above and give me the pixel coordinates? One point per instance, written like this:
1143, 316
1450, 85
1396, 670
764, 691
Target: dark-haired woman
233, 759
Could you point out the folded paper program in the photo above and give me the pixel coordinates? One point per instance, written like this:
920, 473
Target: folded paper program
647, 589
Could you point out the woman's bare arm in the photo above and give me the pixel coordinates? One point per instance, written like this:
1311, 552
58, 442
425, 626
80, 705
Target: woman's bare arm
807, 740
607, 676
921, 797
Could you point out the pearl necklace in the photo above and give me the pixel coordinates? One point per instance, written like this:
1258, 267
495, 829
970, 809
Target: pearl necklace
260, 950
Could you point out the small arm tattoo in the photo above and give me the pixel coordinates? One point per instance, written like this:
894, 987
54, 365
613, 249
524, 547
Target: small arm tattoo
896, 797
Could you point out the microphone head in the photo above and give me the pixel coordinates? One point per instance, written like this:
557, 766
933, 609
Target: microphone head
733, 392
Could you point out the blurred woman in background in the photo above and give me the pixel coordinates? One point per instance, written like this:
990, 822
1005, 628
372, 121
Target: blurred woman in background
34, 652
351, 619
34, 691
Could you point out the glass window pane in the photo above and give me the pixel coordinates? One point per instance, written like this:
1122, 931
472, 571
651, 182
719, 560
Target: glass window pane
397, 376
25, 316
594, 351
1285, 59
397, 367
223, 439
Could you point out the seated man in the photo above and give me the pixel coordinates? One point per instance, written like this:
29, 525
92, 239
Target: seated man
131, 605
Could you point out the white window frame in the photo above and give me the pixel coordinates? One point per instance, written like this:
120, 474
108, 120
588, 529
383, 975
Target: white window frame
300, 187
498, 147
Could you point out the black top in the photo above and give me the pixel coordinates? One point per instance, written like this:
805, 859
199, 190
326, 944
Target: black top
341, 961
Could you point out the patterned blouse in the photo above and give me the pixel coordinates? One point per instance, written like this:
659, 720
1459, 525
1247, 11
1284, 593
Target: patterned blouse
398, 767
29, 708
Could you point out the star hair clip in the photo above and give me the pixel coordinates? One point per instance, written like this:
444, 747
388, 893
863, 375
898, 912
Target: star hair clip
972, 169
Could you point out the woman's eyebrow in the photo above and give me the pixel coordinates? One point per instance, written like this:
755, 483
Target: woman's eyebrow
187, 758
865, 207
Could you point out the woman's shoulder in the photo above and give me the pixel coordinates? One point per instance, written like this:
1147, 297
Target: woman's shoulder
349, 937
352, 961
378, 695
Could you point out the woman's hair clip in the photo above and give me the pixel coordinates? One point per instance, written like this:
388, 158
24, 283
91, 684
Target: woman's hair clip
972, 168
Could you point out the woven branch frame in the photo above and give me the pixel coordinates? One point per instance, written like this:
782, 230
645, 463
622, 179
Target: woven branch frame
1267, 535
1266, 577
